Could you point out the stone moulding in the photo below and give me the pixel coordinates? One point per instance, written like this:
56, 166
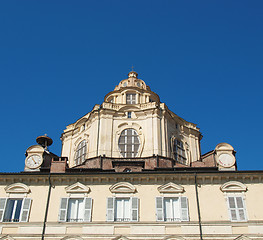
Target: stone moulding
233, 186
171, 188
120, 238
72, 238
173, 238
77, 188
17, 188
242, 237
6, 237
122, 187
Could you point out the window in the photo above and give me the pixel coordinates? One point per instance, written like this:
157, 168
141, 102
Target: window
129, 143
236, 208
129, 114
130, 98
122, 209
75, 210
80, 153
178, 151
172, 209
14, 210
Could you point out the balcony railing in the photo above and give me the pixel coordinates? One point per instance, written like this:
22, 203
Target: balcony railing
75, 220
122, 219
172, 219
10, 220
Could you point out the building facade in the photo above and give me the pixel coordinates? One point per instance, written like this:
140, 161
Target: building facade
131, 169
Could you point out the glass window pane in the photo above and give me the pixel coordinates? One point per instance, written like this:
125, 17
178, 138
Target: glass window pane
17, 210
129, 143
9, 210
80, 152
232, 202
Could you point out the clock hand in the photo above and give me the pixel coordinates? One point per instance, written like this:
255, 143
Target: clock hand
34, 160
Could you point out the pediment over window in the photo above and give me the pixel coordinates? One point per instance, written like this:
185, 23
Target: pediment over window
72, 238
233, 186
77, 188
242, 237
17, 188
171, 188
7, 238
122, 187
120, 238
173, 238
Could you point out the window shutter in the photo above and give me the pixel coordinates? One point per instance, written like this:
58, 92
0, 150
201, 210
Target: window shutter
2, 208
159, 209
134, 208
184, 209
110, 209
241, 208
25, 209
63, 210
232, 208
88, 208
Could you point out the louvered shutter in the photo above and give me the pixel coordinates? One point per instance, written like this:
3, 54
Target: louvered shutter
184, 209
134, 208
241, 208
2, 208
110, 209
88, 208
159, 209
232, 208
25, 209
63, 210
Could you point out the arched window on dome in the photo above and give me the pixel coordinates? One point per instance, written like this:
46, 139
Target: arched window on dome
80, 154
178, 151
129, 143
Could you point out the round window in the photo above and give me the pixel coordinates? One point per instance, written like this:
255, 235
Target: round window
129, 143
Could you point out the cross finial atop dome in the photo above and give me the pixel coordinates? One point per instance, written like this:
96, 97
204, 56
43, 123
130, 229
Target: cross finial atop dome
132, 73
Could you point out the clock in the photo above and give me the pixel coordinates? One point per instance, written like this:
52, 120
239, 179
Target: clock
34, 161
226, 160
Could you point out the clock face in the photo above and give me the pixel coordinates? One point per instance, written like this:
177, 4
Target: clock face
34, 161
226, 160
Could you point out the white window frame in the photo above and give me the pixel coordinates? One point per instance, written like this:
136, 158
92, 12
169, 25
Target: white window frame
131, 98
24, 211
134, 134
80, 154
112, 209
179, 153
236, 209
183, 209
64, 207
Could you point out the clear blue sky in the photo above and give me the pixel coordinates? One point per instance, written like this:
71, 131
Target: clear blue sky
59, 58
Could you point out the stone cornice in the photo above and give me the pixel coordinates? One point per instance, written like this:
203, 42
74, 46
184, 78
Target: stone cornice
141, 177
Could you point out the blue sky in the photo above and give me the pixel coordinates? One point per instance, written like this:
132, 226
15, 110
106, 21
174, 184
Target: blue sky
59, 58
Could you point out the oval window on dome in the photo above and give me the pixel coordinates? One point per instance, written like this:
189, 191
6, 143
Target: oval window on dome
138, 84
125, 84
129, 143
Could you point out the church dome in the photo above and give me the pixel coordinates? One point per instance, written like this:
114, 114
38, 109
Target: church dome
132, 81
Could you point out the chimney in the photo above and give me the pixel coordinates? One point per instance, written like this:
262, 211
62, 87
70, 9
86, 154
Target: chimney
58, 165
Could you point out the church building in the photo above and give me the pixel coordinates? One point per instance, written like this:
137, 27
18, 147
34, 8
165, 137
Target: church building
131, 169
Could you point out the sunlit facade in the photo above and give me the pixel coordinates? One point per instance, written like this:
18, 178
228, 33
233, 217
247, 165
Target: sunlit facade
131, 169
